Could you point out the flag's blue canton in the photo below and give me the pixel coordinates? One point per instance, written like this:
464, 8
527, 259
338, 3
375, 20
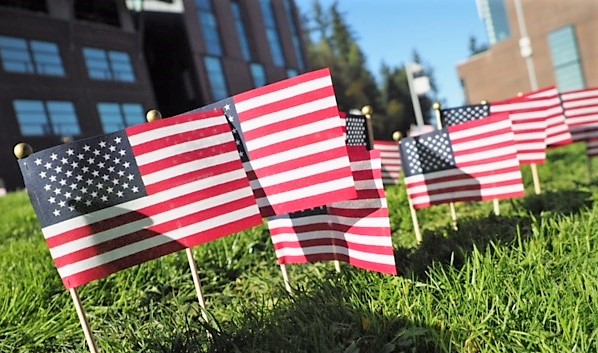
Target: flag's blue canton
84, 176
357, 133
460, 115
228, 106
427, 153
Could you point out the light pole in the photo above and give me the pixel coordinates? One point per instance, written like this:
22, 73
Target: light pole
525, 46
411, 69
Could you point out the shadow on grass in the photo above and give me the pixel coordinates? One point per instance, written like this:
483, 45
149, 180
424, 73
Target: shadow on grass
451, 247
334, 315
564, 202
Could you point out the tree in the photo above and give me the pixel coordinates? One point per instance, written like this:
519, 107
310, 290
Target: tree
335, 48
332, 45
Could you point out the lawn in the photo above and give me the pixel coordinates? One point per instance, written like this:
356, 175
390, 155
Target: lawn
524, 281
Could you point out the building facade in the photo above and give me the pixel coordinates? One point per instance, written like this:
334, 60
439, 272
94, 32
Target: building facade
562, 39
71, 69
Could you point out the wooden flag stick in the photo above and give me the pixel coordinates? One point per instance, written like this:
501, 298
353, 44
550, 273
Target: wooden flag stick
496, 207
22, 150
418, 234
154, 115
437, 107
197, 283
535, 178
83, 320
285, 277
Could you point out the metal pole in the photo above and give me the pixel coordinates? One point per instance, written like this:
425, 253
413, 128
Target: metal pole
414, 98
525, 46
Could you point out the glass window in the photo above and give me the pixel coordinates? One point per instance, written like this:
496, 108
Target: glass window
495, 17
209, 27
20, 55
115, 116
47, 58
63, 117
216, 77
111, 65
272, 33
38, 118
565, 59
241, 32
259, 75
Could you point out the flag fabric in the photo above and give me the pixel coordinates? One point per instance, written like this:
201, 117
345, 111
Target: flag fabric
355, 129
473, 161
529, 122
355, 231
581, 111
459, 115
391, 161
592, 147
557, 129
110, 202
291, 143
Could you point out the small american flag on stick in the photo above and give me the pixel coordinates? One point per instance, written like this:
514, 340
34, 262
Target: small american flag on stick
557, 129
529, 122
581, 110
391, 161
474, 161
463, 114
109, 202
355, 231
291, 143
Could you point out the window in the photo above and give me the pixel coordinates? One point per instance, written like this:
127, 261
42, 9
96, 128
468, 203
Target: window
209, 27
259, 75
30, 56
216, 78
116, 116
495, 16
241, 32
108, 65
565, 59
295, 33
38, 118
272, 33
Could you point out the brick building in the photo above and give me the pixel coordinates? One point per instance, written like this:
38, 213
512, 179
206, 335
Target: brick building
562, 37
79, 68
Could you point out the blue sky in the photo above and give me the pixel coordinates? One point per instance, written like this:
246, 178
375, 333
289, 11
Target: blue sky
389, 30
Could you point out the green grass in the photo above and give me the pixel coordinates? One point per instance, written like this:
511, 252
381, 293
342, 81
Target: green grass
525, 281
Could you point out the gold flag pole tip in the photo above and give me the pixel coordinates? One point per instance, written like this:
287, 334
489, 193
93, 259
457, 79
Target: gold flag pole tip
22, 150
153, 115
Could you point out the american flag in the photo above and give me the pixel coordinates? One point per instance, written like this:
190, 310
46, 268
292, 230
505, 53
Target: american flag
109, 202
463, 114
529, 122
557, 129
581, 110
391, 161
474, 161
355, 231
291, 140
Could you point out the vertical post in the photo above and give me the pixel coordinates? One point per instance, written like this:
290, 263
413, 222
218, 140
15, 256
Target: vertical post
197, 283
154, 115
285, 278
414, 97
418, 234
535, 178
83, 320
453, 212
23, 150
496, 207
